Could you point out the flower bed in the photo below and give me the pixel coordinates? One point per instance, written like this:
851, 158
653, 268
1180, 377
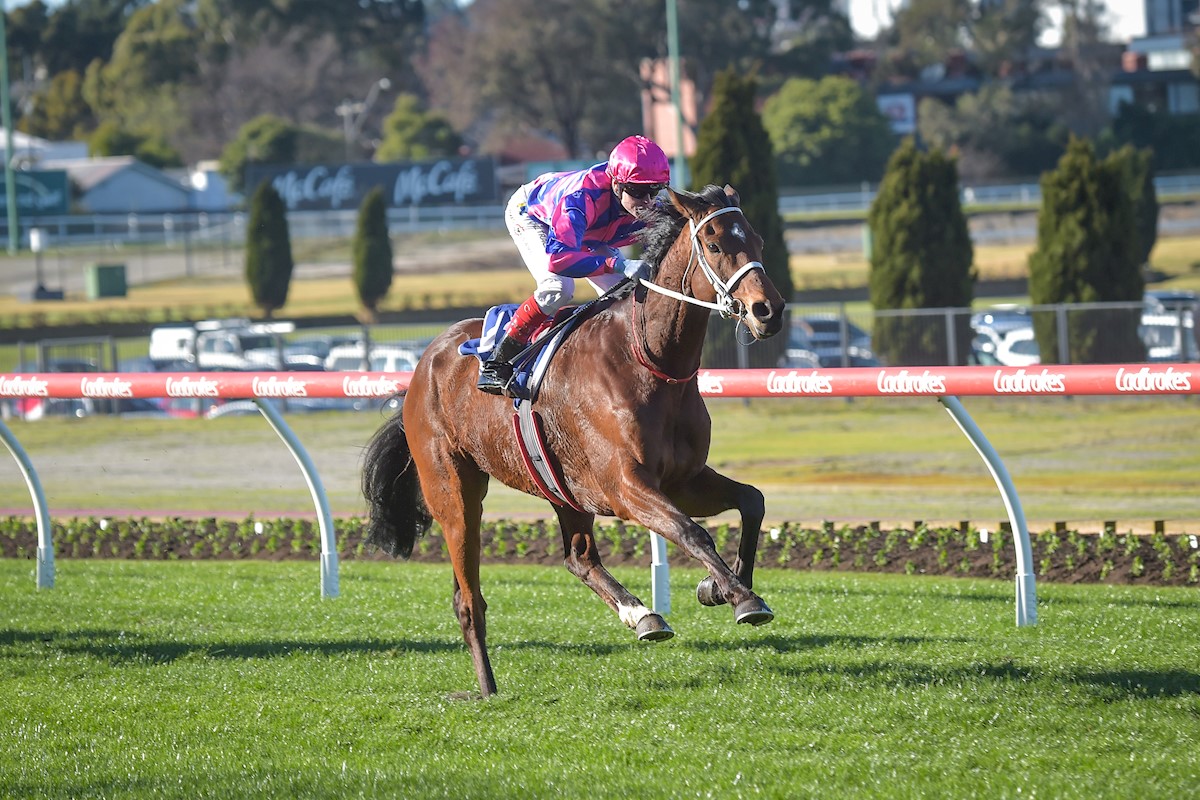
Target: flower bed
1067, 556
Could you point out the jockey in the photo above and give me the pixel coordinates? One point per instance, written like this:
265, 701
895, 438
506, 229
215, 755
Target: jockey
568, 225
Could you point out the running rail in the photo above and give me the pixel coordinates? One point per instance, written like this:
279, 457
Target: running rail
946, 384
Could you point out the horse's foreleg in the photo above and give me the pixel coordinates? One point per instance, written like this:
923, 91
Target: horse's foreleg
583, 560
651, 508
709, 494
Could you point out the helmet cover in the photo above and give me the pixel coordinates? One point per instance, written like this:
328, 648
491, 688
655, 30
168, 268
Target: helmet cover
636, 159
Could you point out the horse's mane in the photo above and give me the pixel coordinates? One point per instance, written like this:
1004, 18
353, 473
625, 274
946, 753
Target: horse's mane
665, 222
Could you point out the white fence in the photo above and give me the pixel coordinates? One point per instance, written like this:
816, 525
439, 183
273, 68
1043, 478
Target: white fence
945, 384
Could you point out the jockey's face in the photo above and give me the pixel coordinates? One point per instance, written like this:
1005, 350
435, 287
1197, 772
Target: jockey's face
637, 198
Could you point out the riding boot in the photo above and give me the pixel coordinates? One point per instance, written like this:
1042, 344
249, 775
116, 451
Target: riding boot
496, 373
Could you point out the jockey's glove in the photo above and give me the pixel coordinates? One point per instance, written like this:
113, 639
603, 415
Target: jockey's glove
635, 269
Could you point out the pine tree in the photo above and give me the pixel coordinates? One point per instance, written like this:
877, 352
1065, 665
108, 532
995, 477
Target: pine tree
372, 253
732, 147
1087, 252
921, 257
268, 250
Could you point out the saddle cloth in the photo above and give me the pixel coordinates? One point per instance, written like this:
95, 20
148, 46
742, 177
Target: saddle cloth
528, 369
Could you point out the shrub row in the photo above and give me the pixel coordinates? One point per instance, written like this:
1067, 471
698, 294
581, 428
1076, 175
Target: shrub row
1064, 556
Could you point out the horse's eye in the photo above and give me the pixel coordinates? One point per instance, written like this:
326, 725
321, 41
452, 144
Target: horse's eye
712, 247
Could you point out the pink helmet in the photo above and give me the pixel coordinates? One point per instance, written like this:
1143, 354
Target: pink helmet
636, 159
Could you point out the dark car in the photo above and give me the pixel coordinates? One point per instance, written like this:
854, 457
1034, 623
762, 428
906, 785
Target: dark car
822, 336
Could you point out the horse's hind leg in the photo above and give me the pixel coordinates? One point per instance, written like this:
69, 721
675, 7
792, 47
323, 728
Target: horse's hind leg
457, 503
583, 560
710, 494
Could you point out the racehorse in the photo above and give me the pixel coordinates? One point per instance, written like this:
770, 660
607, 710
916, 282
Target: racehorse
622, 415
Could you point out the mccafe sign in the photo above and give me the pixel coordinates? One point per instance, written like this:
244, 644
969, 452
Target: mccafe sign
324, 187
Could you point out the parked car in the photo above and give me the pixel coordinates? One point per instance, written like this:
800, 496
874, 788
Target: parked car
1002, 318
1012, 347
221, 344
314, 349
1168, 300
1167, 338
384, 358
820, 336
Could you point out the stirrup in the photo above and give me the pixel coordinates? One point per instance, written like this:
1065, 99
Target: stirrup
492, 378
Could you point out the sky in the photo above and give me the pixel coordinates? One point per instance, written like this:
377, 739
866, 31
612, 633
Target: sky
1126, 18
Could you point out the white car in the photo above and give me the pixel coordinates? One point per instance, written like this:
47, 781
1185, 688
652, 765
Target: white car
1015, 347
1166, 338
384, 358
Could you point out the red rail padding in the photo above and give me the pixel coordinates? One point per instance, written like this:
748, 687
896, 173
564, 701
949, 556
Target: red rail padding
1104, 379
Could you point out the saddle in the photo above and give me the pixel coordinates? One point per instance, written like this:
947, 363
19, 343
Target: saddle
529, 369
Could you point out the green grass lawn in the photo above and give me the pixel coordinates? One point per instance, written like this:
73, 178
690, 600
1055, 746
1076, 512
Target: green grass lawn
234, 679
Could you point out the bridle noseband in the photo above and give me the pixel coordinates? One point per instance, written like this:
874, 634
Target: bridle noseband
727, 305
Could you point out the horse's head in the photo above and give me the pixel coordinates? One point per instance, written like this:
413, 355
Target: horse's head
723, 255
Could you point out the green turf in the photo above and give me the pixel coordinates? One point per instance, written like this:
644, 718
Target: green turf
234, 679
898, 460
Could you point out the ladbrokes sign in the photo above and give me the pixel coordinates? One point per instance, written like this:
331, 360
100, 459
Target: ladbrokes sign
325, 187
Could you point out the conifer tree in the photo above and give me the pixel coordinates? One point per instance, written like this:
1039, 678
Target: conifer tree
1087, 252
921, 257
372, 254
732, 147
268, 250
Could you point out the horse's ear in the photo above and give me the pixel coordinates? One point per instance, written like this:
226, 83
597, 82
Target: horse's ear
733, 196
684, 202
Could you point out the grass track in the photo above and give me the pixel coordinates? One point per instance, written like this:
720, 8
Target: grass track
232, 679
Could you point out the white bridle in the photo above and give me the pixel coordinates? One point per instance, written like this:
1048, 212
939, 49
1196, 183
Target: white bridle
726, 305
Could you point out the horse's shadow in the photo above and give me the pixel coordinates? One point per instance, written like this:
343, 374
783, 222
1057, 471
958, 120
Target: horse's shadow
120, 647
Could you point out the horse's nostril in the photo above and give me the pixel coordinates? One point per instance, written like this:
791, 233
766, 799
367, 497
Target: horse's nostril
762, 311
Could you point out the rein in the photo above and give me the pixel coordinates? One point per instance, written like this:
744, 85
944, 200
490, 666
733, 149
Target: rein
638, 344
726, 305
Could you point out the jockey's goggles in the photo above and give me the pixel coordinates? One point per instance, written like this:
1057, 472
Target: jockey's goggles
641, 191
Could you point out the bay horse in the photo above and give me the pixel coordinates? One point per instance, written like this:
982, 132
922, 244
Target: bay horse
622, 414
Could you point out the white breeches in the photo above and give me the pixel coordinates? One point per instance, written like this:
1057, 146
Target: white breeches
553, 291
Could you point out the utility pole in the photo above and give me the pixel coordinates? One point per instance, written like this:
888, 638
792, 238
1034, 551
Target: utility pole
679, 172
10, 186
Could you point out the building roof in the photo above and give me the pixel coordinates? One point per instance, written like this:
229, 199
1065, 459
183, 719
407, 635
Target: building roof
90, 173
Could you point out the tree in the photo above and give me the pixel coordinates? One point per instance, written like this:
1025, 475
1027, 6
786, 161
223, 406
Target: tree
1087, 252
732, 147
268, 251
138, 87
1139, 180
266, 139
996, 132
572, 67
827, 132
372, 253
410, 132
110, 139
59, 111
921, 257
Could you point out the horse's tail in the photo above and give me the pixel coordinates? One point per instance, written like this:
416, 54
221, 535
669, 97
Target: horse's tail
389, 483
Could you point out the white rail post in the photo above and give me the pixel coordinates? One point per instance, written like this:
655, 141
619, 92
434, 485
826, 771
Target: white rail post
660, 575
45, 548
1026, 588
329, 555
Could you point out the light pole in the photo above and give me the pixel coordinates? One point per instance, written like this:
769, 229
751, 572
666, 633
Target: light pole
679, 173
10, 187
354, 114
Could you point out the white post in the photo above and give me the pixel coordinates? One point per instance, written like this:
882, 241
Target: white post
329, 555
45, 549
659, 575
1026, 589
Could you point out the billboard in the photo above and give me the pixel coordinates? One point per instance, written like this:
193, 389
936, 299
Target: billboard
38, 193
326, 187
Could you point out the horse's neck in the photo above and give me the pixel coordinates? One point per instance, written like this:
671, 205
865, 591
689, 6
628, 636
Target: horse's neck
675, 330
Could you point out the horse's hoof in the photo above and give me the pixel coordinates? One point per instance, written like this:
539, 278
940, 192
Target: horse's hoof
653, 628
708, 594
753, 611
